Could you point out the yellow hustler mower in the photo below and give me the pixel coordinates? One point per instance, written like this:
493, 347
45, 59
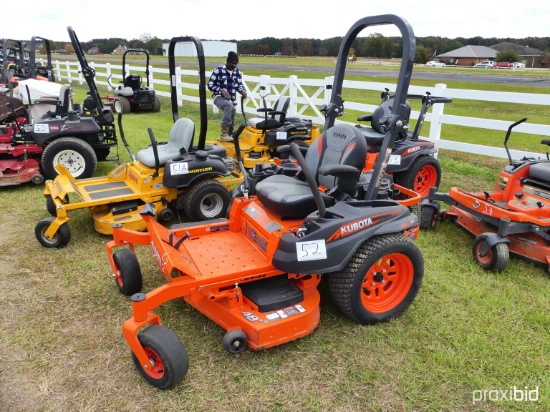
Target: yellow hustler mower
263, 135
172, 176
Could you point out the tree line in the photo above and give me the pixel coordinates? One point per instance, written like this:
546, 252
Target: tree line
374, 45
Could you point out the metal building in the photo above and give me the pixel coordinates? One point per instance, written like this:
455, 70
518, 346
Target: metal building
212, 48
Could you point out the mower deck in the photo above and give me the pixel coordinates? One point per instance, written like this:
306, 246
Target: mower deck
524, 221
112, 199
237, 286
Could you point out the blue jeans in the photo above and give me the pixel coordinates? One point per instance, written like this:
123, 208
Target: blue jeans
228, 109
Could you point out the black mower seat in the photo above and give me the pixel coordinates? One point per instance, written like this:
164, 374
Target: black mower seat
275, 118
374, 135
181, 136
133, 81
540, 171
292, 198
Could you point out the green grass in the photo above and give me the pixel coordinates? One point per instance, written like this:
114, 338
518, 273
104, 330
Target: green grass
61, 346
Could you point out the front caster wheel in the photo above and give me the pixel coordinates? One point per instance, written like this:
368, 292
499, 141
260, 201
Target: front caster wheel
496, 257
167, 354
128, 274
58, 240
235, 341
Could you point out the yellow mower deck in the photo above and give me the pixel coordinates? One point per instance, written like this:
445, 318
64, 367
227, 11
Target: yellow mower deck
132, 183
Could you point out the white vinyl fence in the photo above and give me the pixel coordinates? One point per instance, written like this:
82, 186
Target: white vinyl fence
306, 104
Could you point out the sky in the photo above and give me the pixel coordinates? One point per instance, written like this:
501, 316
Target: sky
256, 19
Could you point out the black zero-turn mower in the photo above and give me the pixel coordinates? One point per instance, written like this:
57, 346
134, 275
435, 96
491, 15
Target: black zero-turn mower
132, 96
256, 272
513, 218
76, 137
412, 162
173, 176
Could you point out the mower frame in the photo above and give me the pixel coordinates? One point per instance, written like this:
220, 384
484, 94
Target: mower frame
230, 268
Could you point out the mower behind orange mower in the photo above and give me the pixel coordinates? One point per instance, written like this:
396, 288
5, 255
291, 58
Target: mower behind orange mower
513, 218
256, 272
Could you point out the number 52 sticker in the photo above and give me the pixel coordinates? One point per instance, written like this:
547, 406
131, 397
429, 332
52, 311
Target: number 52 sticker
313, 250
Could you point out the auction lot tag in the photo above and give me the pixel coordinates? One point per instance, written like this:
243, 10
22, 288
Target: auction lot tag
312, 250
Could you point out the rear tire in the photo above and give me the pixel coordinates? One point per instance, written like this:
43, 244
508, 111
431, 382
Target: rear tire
424, 173
122, 105
74, 154
156, 105
380, 281
128, 276
495, 259
168, 355
58, 240
207, 199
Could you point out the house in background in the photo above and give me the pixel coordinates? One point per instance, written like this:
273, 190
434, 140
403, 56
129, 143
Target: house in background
468, 55
528, 55
119, 50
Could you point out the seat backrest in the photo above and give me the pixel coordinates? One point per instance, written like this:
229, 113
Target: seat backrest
182, 133
342, 144
274, 119
281, 105
64, 103
383, 111
133, 81
181, 136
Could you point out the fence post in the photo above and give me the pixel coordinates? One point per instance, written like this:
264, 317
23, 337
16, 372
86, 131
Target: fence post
57, 70
69, 74
151, 80
293, 94
108, 69
437, 112
177, 84
328, 88
265, 88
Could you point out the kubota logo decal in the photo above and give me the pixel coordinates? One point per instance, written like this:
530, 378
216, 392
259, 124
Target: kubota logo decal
412, 150
361, 224
355, 226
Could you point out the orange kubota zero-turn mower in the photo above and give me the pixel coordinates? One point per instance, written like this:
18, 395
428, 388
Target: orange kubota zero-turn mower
513, 218
256, 272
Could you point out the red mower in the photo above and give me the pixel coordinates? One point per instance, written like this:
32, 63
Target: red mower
513, 218
256, 272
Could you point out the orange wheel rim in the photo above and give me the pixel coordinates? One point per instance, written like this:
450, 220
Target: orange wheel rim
157, 370
387, 283
425, 178
118, 278
484, 260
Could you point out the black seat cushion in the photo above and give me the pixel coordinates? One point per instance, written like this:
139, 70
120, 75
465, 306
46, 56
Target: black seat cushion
292, 198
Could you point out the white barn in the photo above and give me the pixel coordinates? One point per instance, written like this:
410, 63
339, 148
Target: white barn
212, 48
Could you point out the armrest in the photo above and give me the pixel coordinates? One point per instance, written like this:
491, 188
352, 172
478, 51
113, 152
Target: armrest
286, 149
341, 171
365, 118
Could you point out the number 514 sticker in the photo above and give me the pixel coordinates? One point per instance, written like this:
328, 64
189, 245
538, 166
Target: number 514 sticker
313, 250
